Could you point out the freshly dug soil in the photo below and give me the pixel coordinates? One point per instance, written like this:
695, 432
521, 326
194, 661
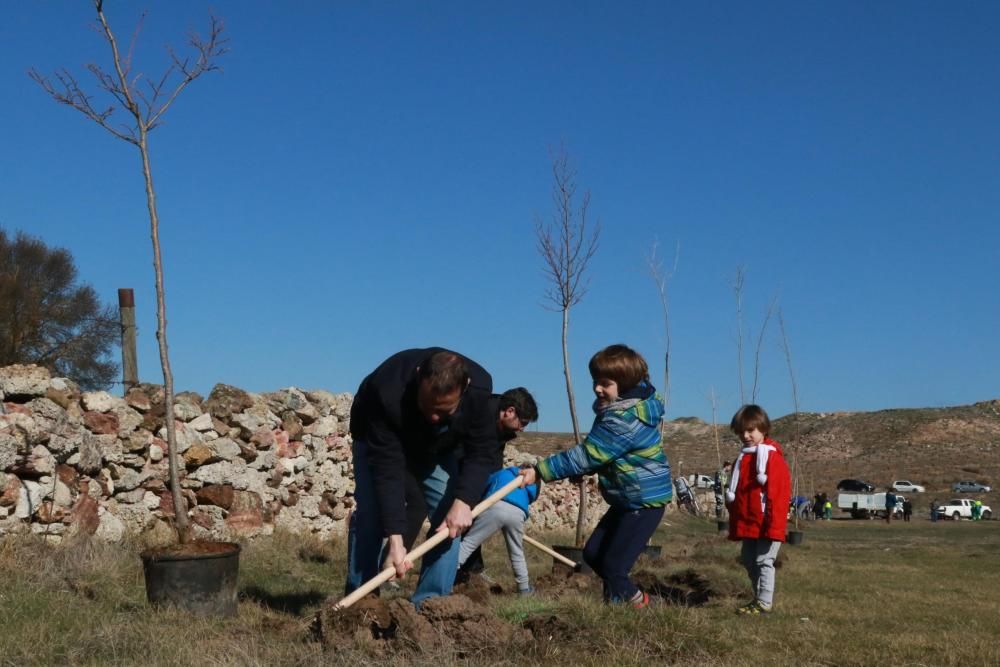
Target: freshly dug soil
450, 622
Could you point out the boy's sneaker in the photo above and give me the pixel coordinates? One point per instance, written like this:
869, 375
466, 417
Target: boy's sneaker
754, 608
640, 600
527, 592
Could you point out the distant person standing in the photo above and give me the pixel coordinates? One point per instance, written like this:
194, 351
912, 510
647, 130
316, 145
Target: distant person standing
827, 508
758, 496
719, 486
890, 505
977, 510
934, 511
818, 506
907, 509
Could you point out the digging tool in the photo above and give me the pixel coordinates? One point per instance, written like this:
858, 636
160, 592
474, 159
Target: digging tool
558, 556
428, 544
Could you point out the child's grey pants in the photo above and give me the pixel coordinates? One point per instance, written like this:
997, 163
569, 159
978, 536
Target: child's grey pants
758, 558
510, 519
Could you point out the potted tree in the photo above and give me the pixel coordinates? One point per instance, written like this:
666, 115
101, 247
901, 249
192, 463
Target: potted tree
200, 576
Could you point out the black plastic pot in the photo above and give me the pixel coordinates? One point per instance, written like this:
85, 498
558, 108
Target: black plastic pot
200, 577
794, 537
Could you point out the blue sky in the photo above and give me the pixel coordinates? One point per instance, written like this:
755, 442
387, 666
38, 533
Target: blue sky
365, 177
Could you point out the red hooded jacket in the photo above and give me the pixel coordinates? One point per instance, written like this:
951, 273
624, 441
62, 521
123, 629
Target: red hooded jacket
760, 511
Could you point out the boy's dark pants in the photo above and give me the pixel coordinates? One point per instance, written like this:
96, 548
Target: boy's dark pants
616, 544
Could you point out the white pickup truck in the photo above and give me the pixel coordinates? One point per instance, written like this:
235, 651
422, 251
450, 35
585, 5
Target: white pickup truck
961, 508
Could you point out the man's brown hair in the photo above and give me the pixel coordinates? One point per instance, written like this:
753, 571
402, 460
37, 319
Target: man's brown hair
750, 417
445, 371
619, 363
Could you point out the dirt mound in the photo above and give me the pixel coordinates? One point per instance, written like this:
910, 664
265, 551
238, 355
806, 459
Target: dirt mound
563, 580
454, 623
476, 588
688, 588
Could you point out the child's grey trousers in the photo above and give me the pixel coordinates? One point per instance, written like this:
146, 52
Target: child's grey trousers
510, 519
758, 558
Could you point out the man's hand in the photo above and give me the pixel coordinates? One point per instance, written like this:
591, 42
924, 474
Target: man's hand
529, 475
459, 518
397, 556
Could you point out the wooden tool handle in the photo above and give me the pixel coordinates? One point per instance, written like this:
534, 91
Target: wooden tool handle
558, 556
428, 544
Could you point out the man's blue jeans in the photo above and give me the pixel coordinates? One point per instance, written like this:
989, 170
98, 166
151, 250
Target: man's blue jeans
365, 534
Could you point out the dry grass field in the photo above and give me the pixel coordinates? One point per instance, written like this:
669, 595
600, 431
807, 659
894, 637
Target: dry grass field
854, 593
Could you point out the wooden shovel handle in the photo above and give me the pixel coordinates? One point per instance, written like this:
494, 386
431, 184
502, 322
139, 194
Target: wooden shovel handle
428, 544
558, 556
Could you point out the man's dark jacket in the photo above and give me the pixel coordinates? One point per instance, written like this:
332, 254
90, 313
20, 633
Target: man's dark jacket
385, 416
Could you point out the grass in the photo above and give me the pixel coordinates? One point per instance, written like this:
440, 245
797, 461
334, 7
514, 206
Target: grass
854, 593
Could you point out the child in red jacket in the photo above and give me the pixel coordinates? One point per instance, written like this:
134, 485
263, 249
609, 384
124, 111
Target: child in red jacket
758, 496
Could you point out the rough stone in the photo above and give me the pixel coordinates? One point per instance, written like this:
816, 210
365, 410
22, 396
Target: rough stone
224, 401
98, 401
187, 412
11, 491
220, 495
198, 455
24, 380
138, 441
109, 528
138, 399
323, 427
203, 422
63, 392
128, 419
224, 449
8, 450
100, 423
223, 472
30, 499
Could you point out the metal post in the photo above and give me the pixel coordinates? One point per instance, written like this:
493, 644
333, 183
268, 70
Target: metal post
126, 310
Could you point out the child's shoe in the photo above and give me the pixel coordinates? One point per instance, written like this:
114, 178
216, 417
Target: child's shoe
755, 608
640, 600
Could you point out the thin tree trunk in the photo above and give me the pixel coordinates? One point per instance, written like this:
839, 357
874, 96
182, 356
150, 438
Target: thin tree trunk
180, 511
581, 517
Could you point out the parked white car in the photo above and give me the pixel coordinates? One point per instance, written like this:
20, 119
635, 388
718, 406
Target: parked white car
699, 481
908, 486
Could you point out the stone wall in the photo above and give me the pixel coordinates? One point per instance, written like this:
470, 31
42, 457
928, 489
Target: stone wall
250, 463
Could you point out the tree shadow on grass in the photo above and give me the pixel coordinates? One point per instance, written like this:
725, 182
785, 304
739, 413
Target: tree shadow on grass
286, 603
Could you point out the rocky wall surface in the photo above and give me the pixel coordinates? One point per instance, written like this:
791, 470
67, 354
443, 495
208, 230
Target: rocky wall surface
250, 463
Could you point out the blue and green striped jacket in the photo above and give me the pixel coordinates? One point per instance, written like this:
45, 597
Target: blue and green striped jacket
624, 449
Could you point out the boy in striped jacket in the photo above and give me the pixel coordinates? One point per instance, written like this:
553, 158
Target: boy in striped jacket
624, 448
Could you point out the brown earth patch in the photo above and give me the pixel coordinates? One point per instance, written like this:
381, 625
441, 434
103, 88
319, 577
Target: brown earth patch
453, 623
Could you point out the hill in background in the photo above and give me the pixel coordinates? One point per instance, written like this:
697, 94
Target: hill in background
933, 447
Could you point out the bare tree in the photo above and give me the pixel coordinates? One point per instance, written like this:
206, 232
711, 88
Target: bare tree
794, 446
738, 293
566, 247
144, 101
662, 282
760, 341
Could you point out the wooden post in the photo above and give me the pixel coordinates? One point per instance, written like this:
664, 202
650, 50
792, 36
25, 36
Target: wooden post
126, 310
